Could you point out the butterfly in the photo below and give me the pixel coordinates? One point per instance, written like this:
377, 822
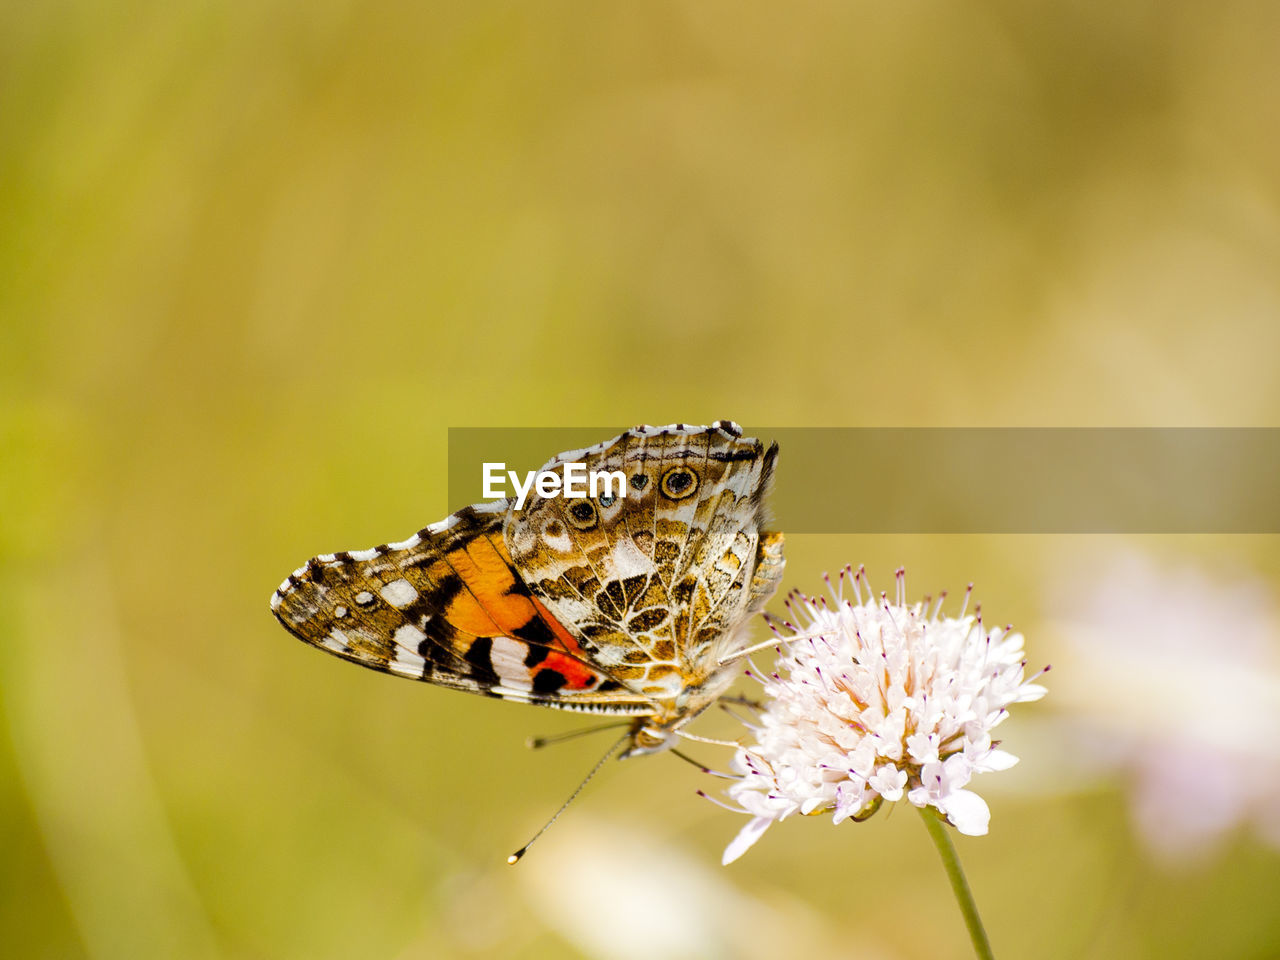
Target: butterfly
631, 603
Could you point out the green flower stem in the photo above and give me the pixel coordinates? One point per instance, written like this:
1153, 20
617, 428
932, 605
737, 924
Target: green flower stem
942, 840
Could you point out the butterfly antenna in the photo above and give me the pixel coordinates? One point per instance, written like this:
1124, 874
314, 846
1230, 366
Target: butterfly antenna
536, 743
515, 857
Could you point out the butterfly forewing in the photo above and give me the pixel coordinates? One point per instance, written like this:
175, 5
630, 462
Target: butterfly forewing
445, 606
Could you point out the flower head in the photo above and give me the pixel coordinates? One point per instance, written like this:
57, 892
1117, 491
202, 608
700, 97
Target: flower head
875, 701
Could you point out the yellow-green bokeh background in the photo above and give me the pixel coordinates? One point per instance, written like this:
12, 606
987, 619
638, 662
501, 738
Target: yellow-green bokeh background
256, 258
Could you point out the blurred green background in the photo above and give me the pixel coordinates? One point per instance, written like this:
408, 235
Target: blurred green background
256, 258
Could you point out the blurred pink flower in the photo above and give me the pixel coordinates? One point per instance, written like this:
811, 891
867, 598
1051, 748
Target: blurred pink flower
1173, 680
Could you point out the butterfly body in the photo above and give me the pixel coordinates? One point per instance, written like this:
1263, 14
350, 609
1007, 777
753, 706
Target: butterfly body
627, 605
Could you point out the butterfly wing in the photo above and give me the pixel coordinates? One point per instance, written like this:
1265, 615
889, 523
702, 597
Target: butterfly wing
657, 583
770, 565
447, 607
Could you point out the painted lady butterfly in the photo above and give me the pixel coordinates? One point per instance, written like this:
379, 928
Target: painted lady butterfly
628, 605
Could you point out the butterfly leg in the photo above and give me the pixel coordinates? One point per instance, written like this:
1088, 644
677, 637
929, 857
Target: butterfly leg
702, 767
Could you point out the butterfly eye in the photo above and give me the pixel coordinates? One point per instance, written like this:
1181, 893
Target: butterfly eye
679, 482
582, 514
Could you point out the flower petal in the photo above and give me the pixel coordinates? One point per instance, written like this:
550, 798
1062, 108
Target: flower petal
967, 811
889, 782
745, 839
1030, 691
995, 760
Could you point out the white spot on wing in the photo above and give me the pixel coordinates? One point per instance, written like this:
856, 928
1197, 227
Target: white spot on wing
507, 659
399, 593
608, 655
407, 639
572, 609
627, 560
406, 544
364, 597
519, 694
561, 542
665, 688
409, 636
363, 554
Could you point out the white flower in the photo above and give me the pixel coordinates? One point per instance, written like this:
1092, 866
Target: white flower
874, 701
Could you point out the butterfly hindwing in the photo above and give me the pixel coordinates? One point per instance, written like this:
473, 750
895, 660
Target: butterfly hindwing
656, 583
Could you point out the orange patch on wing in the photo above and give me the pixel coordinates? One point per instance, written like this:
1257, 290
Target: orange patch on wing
484, 565
485, 608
